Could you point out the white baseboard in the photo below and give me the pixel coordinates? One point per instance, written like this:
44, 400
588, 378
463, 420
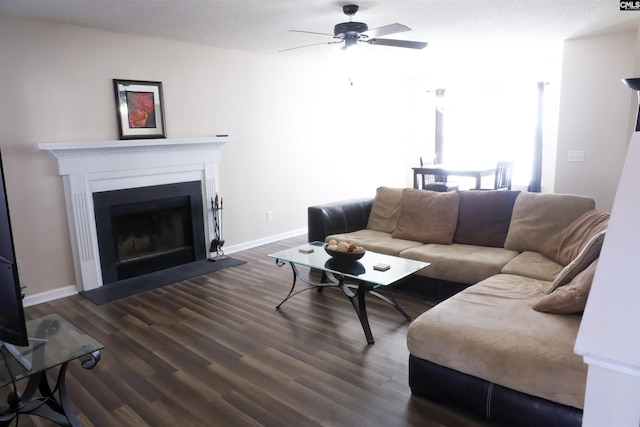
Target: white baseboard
266, 240
49, 295
67, 291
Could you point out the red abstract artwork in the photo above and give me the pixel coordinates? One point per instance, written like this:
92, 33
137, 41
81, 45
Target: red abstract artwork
141, 108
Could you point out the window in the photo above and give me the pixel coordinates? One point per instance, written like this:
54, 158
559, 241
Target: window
484, 124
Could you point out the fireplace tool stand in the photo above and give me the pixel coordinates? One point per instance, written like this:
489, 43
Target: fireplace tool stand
218, 241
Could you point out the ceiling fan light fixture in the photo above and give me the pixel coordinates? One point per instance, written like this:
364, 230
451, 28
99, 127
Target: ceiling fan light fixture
350, 41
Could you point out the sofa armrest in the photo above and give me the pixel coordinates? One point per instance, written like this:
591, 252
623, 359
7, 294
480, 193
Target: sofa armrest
338, 217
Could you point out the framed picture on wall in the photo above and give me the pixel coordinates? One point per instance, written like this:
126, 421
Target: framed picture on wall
140, 109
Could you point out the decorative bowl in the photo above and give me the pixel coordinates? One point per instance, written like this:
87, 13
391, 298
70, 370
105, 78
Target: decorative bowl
344, 256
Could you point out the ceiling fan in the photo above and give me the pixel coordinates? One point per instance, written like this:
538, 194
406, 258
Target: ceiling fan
352, 32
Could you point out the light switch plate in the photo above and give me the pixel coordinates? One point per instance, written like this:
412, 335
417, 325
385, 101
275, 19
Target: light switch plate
576, 156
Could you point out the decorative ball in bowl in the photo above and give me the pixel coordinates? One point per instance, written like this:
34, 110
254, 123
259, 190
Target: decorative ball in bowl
343, 251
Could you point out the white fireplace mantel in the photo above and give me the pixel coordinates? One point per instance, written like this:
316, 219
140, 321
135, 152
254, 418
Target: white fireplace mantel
89, 167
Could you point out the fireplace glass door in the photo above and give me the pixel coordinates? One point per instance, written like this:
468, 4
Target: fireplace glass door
147, 229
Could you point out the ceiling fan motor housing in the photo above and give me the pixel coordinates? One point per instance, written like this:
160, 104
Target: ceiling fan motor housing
348, 28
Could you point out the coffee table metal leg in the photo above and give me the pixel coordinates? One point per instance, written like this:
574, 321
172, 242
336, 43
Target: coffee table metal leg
296, 275
391, 301
293, 284
358, 301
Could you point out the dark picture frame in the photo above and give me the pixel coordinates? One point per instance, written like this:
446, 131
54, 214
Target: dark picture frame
140, 109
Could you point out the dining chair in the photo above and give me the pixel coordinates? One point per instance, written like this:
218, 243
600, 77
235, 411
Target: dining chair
435, 182
504, 170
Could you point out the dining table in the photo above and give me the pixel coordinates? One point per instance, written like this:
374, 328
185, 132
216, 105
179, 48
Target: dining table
443, 169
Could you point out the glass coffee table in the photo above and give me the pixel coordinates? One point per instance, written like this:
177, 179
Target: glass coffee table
55, 343
355, 279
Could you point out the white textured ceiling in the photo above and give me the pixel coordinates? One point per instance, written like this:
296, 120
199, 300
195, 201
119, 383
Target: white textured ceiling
261, 26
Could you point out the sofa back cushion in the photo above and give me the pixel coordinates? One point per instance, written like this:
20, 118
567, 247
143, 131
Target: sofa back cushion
484, 217
427, 216
571, 297
539, 216
565, 246
385, 209
587, 255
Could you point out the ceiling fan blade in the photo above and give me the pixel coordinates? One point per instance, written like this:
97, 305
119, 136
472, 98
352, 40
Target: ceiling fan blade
311, 32
398, 43
386, 30
309, 45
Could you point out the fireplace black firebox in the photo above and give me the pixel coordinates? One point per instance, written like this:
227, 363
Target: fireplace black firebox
147, 229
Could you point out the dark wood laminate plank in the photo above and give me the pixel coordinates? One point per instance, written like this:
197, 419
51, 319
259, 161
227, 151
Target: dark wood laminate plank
214, 351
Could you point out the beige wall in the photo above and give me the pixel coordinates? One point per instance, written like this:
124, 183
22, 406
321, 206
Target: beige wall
594, 114
304, 135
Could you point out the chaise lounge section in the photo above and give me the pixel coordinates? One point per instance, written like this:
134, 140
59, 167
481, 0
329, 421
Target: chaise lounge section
503, 346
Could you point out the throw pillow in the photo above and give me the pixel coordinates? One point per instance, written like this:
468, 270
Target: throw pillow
484, 217
590, 252
538, 216
567, 244
570, 298
427, 216
385, 209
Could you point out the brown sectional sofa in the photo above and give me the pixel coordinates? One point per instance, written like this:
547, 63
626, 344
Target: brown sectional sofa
503, 346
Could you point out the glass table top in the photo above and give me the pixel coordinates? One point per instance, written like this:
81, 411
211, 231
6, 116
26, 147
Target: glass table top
64, 342
361, 270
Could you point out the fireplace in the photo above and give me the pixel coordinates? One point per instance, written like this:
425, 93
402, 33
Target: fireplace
141, 234
147, 229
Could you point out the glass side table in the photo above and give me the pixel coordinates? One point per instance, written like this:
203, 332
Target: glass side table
56, 343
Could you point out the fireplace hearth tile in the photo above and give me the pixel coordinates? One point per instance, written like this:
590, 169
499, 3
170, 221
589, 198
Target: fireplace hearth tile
136, 285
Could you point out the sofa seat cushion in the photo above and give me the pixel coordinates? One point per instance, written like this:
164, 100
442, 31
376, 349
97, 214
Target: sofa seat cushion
533, 265
490, 331
459, 263
375, 241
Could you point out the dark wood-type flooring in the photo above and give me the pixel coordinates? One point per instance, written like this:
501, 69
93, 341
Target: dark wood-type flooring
214, 351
